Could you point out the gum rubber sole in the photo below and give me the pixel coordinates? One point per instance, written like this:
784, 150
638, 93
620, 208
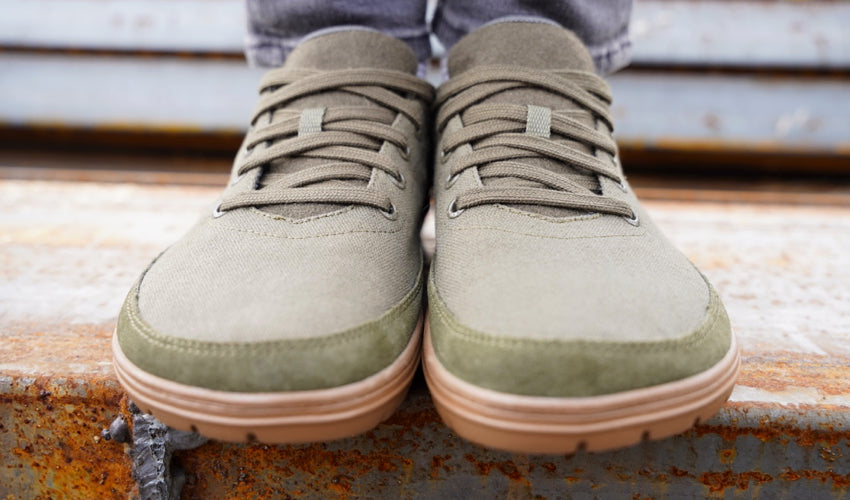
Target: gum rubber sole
529, 424
273, 417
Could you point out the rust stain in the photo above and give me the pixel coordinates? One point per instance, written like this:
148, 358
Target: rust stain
438, 464
404, 427
341, 484
780, 429
415, 419
618, 471
550, 467
574, 478
55, 436
718, 482
51, 348
284, 471
781, 371
839, 481
507, 468
652, 474
829, 454
726, 456
675, 471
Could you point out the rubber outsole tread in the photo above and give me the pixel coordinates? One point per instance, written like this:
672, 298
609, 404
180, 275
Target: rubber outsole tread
529, 424
280, 418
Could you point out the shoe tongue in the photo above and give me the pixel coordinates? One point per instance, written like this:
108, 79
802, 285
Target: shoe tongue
355, 48
335, 50
537, 46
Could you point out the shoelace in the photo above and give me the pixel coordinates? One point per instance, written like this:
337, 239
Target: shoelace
500, 134
349, 137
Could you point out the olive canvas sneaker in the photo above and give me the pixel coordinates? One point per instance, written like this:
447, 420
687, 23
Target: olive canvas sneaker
559, 316
292, 312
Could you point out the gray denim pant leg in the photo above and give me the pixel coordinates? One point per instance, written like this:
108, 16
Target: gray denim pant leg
275, 27
603, 26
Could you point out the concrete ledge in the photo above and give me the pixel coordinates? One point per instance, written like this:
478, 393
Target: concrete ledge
71, 250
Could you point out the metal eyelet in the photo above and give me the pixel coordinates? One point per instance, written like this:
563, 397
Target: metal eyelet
218, 212
622, 185
238, 178
405, 153
453, 210
391, 214
400, 181
444, 156
634, 220
451, 179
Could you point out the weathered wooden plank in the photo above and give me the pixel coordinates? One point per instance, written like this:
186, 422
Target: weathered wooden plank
70, 251
652, 110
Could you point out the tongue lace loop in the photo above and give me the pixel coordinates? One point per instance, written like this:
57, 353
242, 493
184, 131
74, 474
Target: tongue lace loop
500, 139
349, 137
377, 84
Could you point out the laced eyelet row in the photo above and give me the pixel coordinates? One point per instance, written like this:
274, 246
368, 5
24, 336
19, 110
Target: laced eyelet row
400, 181
622, 185
451, 179
621, 182
453, 210
391, 214
237, 179
444, 155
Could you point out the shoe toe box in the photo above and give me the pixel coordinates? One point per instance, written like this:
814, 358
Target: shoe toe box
270, 315
577, 320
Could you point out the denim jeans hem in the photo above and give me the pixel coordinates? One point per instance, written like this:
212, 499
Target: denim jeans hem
613, 55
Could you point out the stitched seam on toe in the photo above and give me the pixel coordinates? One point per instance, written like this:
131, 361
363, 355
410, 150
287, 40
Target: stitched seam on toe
236, 349
698, 335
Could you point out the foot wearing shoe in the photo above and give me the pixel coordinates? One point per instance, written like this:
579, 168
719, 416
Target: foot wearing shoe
559, 316
292, 312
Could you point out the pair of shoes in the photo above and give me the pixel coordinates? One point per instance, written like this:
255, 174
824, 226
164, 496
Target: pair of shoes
559, 316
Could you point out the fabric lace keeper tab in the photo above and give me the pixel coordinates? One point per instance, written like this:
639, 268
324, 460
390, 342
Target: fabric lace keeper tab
539, 121
311, 121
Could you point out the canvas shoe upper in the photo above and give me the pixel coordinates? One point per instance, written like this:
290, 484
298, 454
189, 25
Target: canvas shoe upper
549, 279
307, 275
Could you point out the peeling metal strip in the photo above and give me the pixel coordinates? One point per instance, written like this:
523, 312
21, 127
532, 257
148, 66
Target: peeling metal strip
799, 35
747, 112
